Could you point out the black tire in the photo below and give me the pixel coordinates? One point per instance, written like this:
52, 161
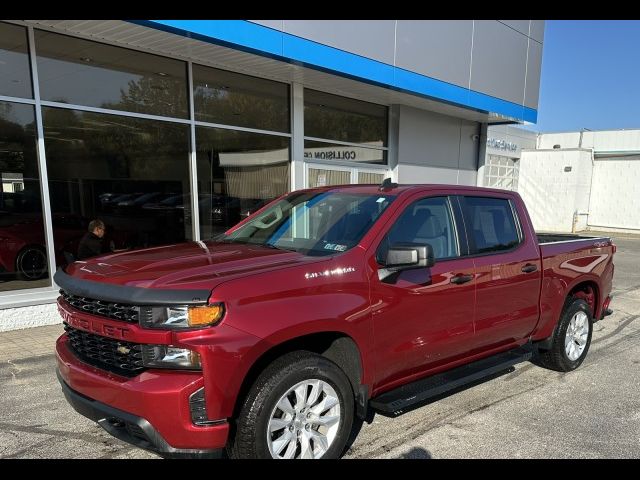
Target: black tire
557, 358
249, 440
31, 263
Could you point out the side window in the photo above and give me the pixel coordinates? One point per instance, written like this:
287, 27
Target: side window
429, 220
493, 226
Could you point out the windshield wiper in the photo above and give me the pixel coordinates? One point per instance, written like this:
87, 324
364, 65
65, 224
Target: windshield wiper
268, 245
271, 245
228, 240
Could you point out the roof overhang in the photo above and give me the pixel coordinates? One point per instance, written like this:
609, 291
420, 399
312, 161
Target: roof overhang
253, 49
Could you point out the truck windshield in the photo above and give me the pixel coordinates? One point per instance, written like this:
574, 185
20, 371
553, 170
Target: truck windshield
313, 223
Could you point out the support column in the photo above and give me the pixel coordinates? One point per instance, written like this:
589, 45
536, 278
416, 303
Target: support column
482, 154
297, 136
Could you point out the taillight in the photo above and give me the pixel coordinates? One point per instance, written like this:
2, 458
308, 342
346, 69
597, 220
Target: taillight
614, 247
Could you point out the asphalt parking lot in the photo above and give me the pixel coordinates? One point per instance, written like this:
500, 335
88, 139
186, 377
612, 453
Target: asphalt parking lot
593, 412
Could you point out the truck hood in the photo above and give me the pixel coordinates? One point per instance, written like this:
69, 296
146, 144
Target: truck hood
197, 265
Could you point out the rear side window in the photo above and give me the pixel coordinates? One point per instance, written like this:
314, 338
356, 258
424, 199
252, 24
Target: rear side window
493, 226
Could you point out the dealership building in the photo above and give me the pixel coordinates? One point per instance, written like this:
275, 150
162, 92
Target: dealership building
171, 131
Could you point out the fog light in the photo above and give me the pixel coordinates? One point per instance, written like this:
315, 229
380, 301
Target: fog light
168, 356
198, 408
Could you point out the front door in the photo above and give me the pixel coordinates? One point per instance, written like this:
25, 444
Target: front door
422, 319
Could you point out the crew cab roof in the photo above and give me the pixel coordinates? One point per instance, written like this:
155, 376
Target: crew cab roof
405, 189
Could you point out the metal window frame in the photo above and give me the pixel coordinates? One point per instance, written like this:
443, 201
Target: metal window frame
347, 163
193, 163
466, 213
353, 170
298, 170
459, 231
42, 161
349, 144
37, 295
28, 101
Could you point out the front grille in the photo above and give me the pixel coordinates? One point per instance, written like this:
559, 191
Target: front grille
116, 311
102, 352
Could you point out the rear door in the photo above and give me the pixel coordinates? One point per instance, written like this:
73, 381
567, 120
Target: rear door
422, 319
507, 270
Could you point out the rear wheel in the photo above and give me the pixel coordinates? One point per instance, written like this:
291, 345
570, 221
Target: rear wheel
301, 406
571, 338
31, 263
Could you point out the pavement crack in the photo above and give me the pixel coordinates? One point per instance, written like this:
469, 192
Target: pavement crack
32, 447
38, 429
13, 367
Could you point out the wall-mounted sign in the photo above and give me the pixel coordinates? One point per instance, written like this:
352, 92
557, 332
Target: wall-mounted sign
331, 155
501, 144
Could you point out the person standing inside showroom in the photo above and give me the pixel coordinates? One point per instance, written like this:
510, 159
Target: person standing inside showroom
91, 243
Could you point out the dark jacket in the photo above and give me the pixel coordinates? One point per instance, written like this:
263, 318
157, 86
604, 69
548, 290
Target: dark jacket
90, 246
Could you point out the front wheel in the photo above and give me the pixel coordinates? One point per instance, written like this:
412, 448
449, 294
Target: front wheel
301, 406
571, 338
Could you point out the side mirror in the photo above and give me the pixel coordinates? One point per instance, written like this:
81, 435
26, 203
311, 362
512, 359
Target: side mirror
405, 256
402, 256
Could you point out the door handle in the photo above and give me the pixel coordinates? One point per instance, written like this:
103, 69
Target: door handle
528, 268
459, 279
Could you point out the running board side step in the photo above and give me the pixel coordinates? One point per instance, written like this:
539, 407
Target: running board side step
395, 401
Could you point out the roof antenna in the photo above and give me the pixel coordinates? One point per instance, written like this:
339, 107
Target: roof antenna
387, 185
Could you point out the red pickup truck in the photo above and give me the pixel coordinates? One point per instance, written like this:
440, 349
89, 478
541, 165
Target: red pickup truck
274, 339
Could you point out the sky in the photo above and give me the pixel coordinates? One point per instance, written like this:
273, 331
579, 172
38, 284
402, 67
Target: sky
590, 76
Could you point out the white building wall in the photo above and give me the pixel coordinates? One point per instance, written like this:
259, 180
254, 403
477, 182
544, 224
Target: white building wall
565, 140
26, 317
613, 140
615, 196
599, 141
553, 195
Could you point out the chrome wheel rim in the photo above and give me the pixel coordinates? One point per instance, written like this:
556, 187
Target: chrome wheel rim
305, 421
575, 340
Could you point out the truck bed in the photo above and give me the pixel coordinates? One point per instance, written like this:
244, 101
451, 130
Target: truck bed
567, 260
563, 237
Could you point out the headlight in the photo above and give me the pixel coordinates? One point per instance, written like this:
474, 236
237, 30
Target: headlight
182, 316
168, 356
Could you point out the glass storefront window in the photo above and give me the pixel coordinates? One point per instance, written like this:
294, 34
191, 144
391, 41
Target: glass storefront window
81, 72
344, 119
370, 178
238, 172
23, 255
131, 173
240, 100
15, 73
314, 150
